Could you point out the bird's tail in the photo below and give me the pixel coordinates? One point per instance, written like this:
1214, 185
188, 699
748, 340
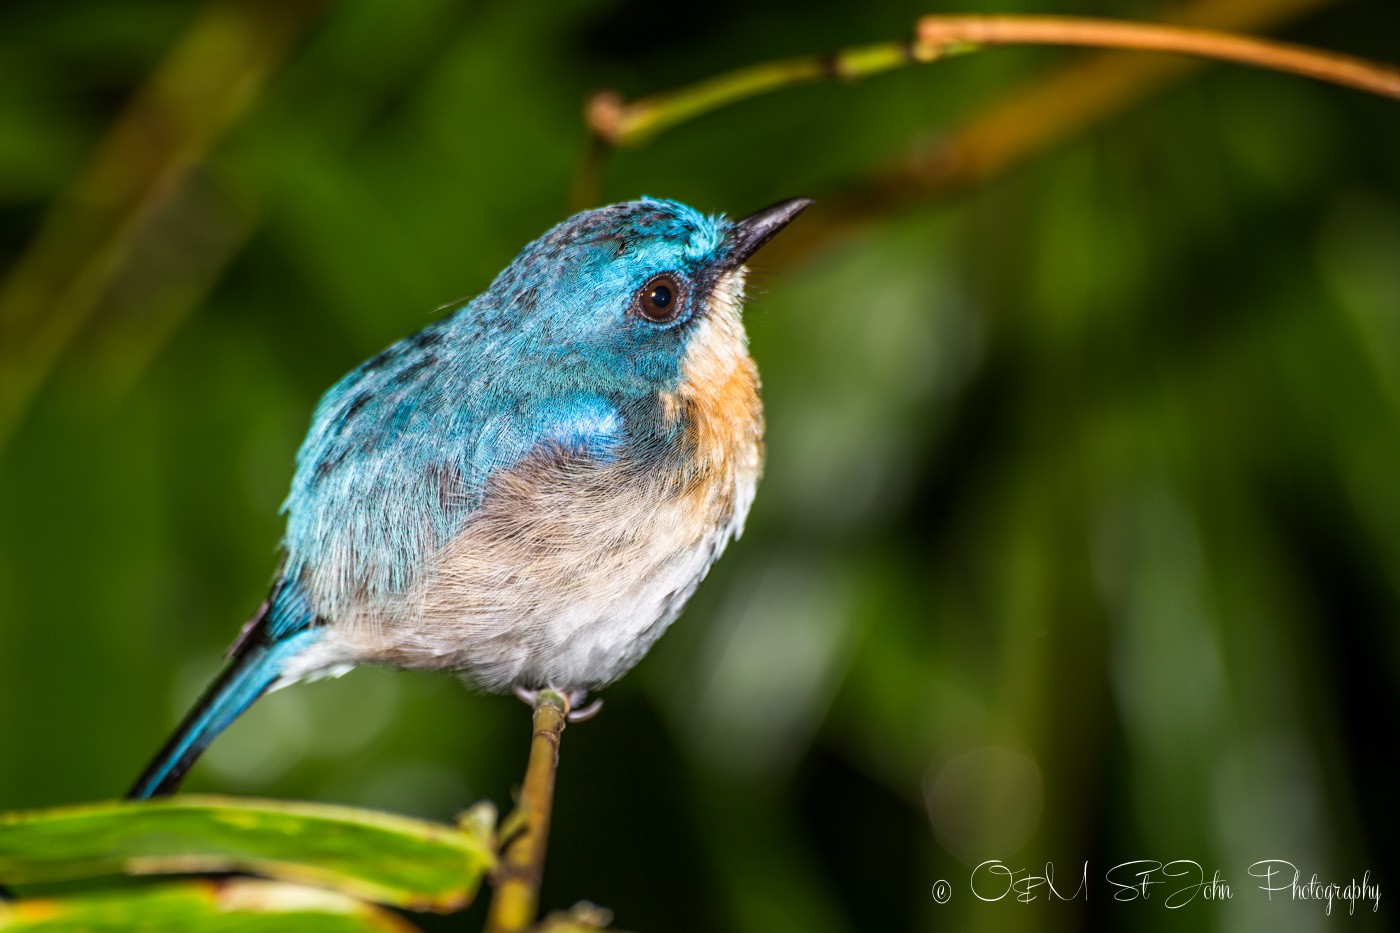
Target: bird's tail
255, 667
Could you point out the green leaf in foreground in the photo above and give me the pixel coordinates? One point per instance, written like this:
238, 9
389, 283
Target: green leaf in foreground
363, 853
229, 906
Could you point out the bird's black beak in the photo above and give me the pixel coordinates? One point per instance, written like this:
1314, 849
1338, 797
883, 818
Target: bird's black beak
747, 235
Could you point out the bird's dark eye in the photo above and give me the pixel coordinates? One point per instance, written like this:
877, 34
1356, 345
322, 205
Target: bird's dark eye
660, 299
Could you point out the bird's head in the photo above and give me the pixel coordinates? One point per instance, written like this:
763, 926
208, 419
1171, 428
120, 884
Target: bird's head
628, 294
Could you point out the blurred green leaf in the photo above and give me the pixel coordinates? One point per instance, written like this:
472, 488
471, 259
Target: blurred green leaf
207, 906
362, 853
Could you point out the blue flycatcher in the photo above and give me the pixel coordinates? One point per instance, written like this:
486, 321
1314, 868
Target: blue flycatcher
528, 490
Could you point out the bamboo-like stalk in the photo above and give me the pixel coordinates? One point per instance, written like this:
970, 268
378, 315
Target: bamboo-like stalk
515, 901
1344, 70
628, 124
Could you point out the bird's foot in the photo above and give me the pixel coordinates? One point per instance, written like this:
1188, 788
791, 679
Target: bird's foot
586, 712
576, 705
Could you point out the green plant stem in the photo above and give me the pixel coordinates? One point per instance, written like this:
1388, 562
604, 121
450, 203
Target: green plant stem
937, 37
632, 124
515, 902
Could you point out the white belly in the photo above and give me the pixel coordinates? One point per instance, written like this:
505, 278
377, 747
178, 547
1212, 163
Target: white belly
564, 578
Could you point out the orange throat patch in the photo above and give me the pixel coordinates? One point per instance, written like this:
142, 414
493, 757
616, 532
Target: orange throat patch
718, 391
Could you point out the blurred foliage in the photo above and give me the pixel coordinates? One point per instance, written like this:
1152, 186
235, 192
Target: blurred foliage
237, 906
359, 853
1080, 535
230, 907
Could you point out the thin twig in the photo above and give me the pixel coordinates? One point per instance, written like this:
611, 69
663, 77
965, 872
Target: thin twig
1020, 124
1344, 70
938, 37
517, 880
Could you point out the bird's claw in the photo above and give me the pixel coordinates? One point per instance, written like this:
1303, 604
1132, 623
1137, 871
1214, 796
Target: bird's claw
525, 695
575, 709
585, 713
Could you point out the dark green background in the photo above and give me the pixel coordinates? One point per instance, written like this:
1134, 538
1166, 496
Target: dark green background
1079, 539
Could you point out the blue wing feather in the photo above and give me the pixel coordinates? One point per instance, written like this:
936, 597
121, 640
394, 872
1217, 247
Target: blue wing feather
400, 453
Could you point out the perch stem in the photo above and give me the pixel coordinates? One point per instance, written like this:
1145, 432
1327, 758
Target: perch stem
517, 881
